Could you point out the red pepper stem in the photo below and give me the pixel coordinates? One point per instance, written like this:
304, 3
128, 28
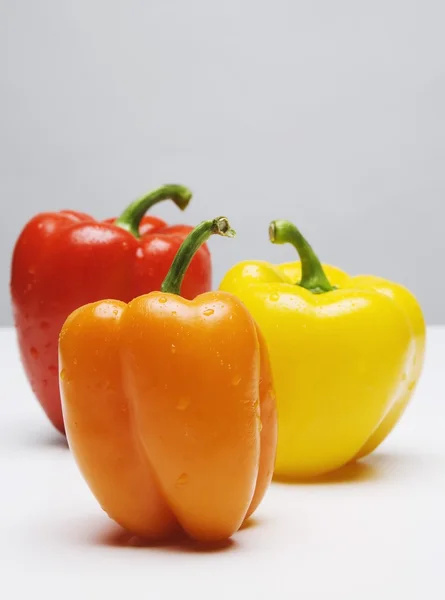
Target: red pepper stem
131, 218
200, 234
313, 277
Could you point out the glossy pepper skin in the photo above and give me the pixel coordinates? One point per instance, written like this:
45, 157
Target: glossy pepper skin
169, 407
66, 259
346, 354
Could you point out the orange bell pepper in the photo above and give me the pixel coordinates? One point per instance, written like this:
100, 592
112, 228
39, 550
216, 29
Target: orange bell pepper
169, 406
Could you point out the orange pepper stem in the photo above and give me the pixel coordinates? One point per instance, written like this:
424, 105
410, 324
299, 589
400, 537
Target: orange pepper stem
173, 280
131, 217
313, 277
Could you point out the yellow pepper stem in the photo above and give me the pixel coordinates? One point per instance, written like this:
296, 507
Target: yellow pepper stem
313, 278
191, 244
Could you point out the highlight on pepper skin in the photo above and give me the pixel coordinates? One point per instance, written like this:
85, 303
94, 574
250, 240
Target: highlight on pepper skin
66, 259
162, 449
346, 354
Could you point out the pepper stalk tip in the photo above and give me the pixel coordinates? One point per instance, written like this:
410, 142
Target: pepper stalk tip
222, 227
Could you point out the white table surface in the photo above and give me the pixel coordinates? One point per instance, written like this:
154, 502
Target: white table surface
376, 530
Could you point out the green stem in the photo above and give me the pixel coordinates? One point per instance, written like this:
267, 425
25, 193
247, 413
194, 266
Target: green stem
313, 278
131, 217
173, 280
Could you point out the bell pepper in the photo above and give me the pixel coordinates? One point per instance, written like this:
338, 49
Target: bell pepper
346, 354
66, 259
169, 406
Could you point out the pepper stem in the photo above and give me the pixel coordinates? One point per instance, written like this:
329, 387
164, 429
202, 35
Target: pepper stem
313, 277
173, 280
131, 218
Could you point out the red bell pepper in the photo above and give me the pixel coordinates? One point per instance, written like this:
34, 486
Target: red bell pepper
66, 259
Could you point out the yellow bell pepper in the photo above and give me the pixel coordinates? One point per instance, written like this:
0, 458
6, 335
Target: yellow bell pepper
346, 354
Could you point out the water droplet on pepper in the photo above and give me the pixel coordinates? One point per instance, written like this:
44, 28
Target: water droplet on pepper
183, 402
182, 480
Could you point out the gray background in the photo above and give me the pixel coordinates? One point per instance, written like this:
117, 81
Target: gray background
328, 113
